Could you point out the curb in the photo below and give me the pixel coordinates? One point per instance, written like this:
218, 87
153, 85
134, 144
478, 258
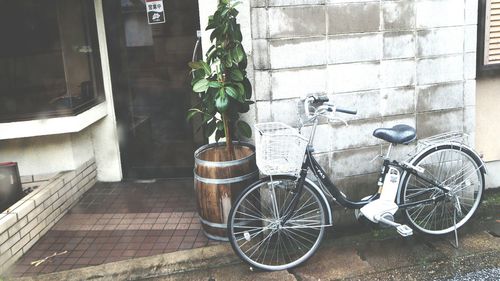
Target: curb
148, 267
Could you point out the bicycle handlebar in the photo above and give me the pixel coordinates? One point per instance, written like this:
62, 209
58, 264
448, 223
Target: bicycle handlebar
346, 110
322, 100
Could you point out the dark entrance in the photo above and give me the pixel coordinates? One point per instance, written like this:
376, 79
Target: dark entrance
151, 86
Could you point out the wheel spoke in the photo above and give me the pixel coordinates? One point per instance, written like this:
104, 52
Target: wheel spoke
453, 169
256, 233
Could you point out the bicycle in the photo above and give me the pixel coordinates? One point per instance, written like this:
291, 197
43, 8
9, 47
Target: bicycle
279, 221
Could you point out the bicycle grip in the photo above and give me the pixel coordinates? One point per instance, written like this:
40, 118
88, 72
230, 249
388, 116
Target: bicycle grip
346, 110
320, 99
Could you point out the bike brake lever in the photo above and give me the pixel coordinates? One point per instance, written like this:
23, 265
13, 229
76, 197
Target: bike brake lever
338, 119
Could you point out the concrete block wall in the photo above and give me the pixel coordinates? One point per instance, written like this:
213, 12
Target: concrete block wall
410, 62
23, 224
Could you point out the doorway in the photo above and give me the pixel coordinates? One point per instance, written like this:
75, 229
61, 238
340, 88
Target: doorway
151, 86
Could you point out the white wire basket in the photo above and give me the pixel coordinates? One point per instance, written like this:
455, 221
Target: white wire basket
280, 148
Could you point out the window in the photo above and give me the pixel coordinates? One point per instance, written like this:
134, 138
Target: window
49, 58
489, 37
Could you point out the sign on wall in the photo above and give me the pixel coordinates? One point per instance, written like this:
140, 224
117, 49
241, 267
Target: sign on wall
155, 11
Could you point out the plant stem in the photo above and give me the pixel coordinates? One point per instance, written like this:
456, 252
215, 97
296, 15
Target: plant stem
229, 139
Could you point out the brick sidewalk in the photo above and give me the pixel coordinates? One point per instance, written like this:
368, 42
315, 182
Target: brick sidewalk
117, 221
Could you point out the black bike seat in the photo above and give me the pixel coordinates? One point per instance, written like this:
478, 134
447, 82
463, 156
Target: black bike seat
398, 134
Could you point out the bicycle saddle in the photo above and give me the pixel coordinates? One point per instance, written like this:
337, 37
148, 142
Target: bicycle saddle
400, 134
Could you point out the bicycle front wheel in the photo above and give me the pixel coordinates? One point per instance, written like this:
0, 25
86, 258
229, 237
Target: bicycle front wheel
455, 169
256, 231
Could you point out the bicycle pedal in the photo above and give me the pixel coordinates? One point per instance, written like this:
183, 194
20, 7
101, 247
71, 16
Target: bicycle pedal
404, 230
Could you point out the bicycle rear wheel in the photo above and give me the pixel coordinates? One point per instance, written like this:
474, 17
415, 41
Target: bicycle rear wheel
455, 169
255, 230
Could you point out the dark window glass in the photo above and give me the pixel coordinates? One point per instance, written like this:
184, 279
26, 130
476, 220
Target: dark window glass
49, 58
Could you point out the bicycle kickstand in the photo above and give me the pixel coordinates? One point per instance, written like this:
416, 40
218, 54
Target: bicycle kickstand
455, 229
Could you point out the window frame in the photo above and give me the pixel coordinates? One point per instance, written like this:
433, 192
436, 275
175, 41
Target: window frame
95, 69
483, 69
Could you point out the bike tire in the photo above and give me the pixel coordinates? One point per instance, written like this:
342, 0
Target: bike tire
290, 245
456, 168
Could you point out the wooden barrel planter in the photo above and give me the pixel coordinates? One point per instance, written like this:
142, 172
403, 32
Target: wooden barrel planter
218, 183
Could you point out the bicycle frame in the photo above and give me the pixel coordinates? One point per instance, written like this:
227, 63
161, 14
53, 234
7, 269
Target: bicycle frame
311, 163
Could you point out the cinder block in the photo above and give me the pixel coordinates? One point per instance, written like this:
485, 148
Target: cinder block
358, 187
4, 236
27, 228
439, 13
12, 260
397, 73
470, 66
5, 246
48, 202
294, 2
17, 226
440, 69
470, 38
41, 197
407, 119
297, 52
470, 121
33, 214
353, 77
441, 41
285, 111
397, 101
471, 11
349, 1
401, 152
298, 82
440, 96
258, 3
323, 140
46, 212
30, 243
470, 93
355, 161
357, 134
88, 171
259, 23
7, 221
354, 48
297, 21
38, 228
24, 208
324, 161
263, 111
76, 180
262, 85
398, 15
432, 123
398, 45
260, 53
54, 186
68, 176
353, 17
4, 258
367, 103
20, 244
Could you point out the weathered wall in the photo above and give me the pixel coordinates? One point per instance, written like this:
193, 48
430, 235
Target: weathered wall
409, 62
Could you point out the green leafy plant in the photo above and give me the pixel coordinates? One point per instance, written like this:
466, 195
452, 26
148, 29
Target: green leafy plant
221, 79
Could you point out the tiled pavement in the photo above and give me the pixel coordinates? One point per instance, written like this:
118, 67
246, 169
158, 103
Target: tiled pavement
117, 221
